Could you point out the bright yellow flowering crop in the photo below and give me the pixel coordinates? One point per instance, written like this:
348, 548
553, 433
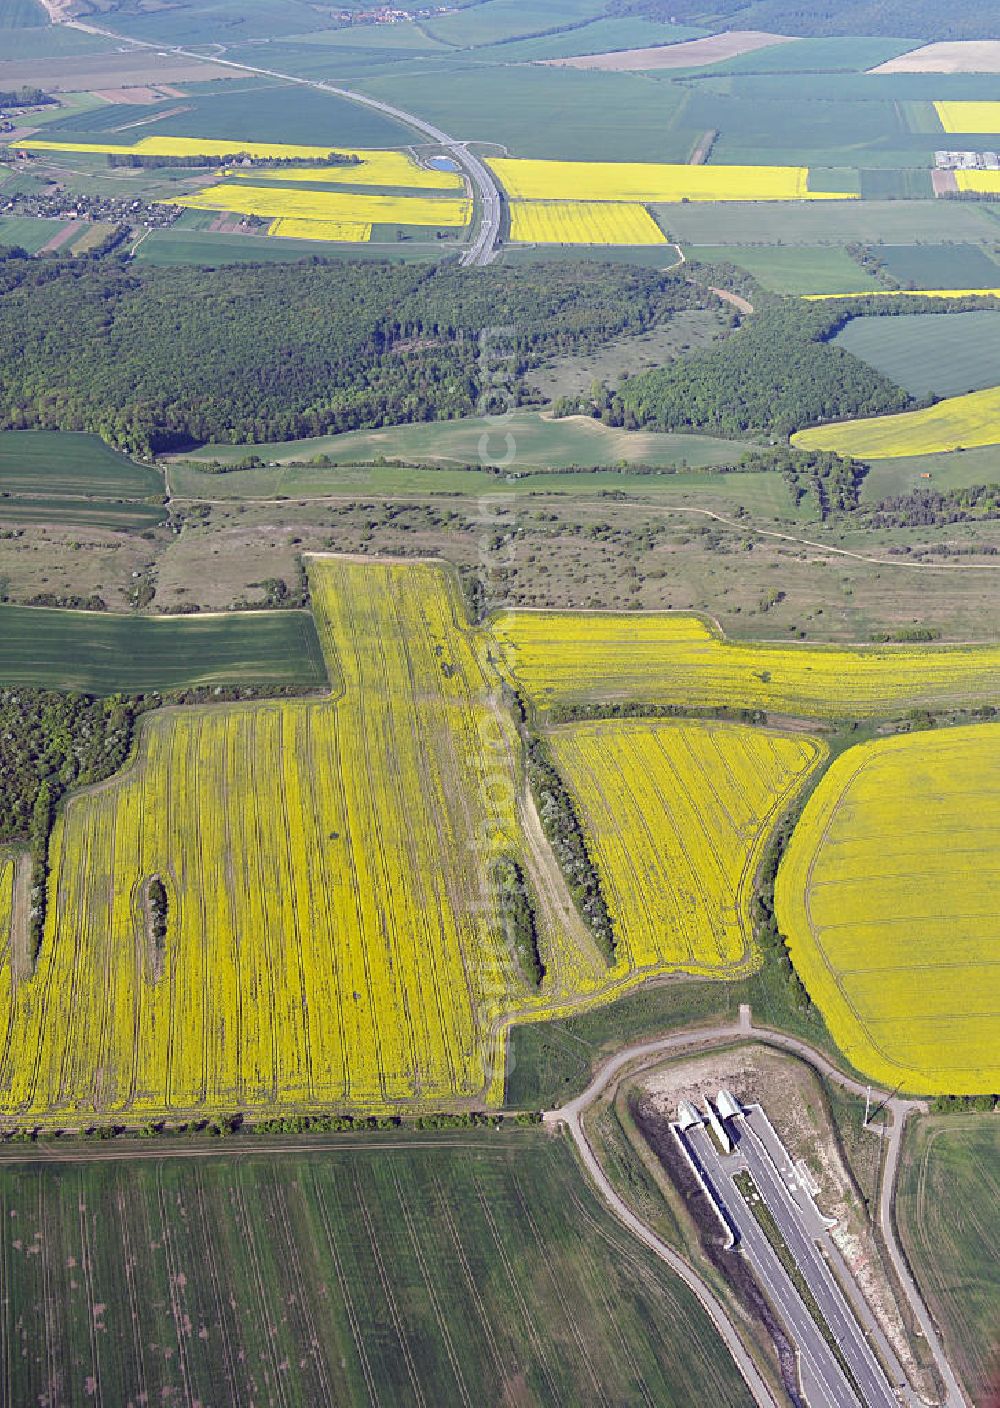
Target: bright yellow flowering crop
675, 659
337, 230
582, 222
652, 182
888, 896
956, 423
677, 815
376, 168
338, 206
6, 901
983, 182
332, 934
908, 292
969, 116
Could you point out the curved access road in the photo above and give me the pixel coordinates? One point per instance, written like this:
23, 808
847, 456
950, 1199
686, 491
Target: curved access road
639, 1057
489, 201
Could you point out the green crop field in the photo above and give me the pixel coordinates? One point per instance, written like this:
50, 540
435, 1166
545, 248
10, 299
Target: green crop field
52, 462
941, 266
21, 14
948, 1213
81, 513
182, 246
827, 222
27, 232
538, 444
600, 36
395, 1272
105, 654
794, 268
944, 354
255, 110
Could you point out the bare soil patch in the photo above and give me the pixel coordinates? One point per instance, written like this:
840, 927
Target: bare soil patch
945, 183
947, 56
137, 96
692, 53
83, 73
60, 238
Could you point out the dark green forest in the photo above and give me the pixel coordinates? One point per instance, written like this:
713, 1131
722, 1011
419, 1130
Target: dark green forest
779, 373
914, 19
158, 358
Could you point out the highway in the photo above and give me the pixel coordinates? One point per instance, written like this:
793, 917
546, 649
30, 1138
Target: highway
823, 1380
489, 201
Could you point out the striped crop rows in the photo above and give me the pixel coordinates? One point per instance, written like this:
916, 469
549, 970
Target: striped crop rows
677, 815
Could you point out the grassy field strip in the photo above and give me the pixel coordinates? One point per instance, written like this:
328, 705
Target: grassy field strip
648, 182
948, 1213
583, 222
677, 815
54, 462
104, 653
957, 423
415, 1274
666, 658
908, 293
886, 894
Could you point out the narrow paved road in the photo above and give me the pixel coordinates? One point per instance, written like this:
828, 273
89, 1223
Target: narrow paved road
639, 1057
483, 248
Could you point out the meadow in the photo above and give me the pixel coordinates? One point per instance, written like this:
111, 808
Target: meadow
539, 443
102, 653
957, 423
668, 658
948, 1214
403, 1270
677, 816
941, 266
886, 893
930, 353
583, 222
790, 268
180, 246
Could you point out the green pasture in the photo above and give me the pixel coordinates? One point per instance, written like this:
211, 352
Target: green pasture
494, 20
957, 469
104, 653
56, 462
941, 354
392, 1270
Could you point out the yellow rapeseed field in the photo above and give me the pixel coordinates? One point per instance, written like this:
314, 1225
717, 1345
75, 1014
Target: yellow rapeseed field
582, 222
337, 230
969, 116
956, 423
983, 182
376, 168
559, 657
348, 207
677, 815
333, 935
652, 182
888, 896
6, 903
